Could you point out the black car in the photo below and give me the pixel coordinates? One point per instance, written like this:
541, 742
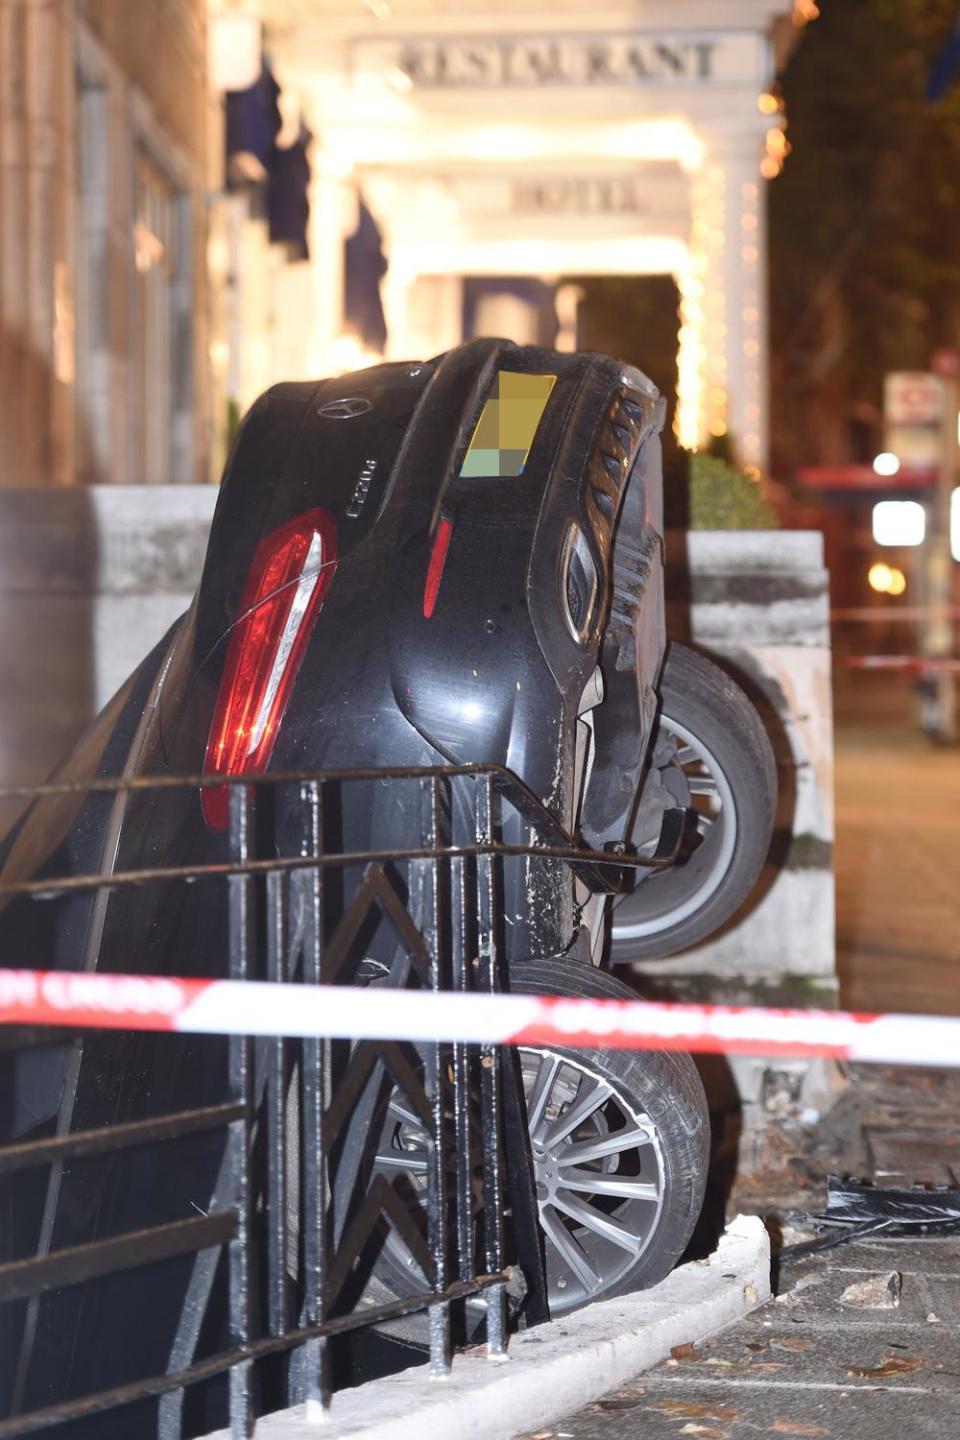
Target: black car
450, 563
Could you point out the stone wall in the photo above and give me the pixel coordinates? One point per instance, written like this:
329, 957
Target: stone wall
758, 602
91, 578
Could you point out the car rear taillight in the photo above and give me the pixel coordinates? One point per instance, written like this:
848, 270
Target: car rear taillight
290, 575
438, 558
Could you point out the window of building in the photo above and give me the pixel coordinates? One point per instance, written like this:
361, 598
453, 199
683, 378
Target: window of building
92, 420
160, 413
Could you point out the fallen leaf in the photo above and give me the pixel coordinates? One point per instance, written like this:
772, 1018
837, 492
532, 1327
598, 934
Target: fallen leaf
751, 1345
792, 1342
686, 1351
724, 1364
619, 1402
889, 1368
692, 1411
750, 1294
793, 1427
768, 1367
706, 1432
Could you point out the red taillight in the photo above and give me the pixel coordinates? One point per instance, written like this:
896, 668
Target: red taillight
289, 577
438, 558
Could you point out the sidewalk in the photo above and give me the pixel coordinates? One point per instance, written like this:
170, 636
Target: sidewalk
898, 900
862, 1339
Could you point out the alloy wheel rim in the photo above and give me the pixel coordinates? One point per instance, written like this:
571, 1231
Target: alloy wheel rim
598, 1174
598, 1171
694, 776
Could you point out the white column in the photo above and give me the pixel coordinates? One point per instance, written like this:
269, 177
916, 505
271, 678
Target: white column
723, 299
330, 201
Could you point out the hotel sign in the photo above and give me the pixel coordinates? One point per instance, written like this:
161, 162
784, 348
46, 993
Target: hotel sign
592, 61
580, 195
656, 193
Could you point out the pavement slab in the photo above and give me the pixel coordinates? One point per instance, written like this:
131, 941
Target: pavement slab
772, 1412
898, 903
820, 1374
806, 1364
813, 1294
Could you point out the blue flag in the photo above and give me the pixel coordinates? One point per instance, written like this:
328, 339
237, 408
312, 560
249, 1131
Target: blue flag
944, 68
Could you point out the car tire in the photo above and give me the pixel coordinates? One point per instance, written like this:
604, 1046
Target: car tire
707, 731
662, 1085
660, 1094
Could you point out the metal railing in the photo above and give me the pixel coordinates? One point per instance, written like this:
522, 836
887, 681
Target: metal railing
303, 1208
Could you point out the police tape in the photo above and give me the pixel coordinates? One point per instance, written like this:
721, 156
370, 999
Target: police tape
80, 1001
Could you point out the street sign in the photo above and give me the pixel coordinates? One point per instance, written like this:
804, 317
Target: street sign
912, 397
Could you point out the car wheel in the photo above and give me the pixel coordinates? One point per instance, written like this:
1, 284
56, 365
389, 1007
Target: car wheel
620, 1145
711, 753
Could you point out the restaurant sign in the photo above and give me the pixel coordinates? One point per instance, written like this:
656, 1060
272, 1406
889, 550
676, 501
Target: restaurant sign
535, 61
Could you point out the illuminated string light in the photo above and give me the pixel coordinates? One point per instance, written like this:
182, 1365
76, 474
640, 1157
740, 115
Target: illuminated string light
750, 317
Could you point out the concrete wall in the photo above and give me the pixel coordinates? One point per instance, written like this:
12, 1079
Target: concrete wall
758, 602
90, 579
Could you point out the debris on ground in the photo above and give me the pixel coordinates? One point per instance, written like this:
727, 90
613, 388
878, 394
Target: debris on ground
877, 1292
858, 1209
867, 1328
859, 1202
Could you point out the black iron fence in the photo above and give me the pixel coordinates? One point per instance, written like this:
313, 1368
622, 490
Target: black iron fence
358, 1184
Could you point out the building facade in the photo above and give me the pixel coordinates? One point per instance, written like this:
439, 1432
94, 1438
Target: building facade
493, 145
103, 295
542, 141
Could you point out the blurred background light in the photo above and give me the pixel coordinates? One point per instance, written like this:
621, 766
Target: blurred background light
899, 522
878, 577
886, 463
234, 40
886, 579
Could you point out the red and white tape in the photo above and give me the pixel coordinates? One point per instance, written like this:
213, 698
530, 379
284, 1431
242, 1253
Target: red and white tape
230, 1007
